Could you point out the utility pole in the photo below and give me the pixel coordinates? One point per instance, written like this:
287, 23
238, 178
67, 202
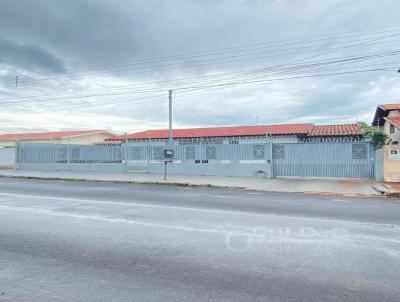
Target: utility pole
16, 81
169, 151
126, 152
271, 151
170, 118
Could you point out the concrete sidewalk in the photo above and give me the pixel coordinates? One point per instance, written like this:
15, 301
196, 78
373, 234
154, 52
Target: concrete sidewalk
342, 187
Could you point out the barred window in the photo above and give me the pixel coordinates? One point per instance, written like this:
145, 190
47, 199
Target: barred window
158, 153
359, 151
278, 151
211, 152
190, 152
259, 151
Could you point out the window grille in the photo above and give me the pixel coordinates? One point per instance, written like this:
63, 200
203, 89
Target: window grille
190, 152
278, 151
259, 151
359, 151
211, 152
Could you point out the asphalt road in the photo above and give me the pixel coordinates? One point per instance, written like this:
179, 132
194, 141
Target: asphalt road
66, 241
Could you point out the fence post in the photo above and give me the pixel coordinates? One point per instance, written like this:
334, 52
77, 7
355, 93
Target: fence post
16, 159
125, 156
271, 151
68, 153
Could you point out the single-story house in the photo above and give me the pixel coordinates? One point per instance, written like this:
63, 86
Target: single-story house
285, 133
60, 137
387, 119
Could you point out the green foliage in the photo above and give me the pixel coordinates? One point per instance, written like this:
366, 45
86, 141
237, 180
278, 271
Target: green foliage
378, 138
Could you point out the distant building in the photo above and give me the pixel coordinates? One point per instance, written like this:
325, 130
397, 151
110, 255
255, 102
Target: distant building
387, 119
284, 133
60, 137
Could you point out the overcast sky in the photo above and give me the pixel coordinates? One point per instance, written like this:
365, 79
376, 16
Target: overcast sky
84, 64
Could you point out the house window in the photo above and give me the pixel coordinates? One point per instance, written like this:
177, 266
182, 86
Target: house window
391, 129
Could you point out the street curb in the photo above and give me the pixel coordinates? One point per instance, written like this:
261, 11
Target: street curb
190, 185
136, 182
384, 191
391, 192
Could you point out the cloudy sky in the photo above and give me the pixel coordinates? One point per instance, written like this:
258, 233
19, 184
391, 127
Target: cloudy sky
84, 64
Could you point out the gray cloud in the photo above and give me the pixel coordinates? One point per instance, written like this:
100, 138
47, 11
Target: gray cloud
28, 57
47, 35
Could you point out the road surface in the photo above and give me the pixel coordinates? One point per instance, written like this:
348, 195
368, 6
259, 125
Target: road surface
71, 241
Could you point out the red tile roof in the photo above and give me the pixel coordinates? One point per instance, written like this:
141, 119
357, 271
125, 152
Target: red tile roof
57, 134
283, 129
336, 130
382, 111
390, 106
394, 120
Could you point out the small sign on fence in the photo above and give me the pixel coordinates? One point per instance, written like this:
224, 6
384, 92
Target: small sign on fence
393, 154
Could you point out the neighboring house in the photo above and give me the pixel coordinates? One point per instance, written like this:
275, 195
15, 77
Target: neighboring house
387, 119
283, 133
60, 137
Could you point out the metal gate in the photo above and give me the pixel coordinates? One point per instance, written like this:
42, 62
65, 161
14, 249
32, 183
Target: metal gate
342, 160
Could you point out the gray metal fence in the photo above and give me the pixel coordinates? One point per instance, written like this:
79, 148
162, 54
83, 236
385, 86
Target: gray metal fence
7, 157
341, 160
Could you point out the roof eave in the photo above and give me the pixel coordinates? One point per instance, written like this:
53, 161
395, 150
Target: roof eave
388, 120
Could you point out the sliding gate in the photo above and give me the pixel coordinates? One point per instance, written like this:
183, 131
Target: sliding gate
342, 160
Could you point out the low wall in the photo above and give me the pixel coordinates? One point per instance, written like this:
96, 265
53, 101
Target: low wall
391, 163
212, 169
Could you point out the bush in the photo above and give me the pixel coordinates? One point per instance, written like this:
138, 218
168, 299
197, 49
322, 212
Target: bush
378, 138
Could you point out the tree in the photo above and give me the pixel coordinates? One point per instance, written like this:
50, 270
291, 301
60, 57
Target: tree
378, 138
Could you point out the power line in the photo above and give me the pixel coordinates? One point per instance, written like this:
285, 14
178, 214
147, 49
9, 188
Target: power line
149, 88
270, 45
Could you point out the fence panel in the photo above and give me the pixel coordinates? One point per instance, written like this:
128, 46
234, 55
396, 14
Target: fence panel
326, 159
343, 160
7, 157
